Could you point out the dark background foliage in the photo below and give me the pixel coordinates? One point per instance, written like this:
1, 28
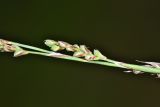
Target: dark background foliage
124, 30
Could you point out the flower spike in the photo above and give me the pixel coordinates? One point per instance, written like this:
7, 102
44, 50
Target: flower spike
80, 53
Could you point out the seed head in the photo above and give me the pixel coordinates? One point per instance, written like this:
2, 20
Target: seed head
63, 44
79, 51
99, 55
50, 43
90, 57
79, 54
55, 48
19, 52
6, 46
85, 50
67, 46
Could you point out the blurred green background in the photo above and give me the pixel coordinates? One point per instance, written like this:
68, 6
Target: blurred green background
124, 30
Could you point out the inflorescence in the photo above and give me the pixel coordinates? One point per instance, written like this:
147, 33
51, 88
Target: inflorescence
80, 53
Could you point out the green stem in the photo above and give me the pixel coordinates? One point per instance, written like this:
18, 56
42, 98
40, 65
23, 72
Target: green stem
75, 59
108, 62
31, 47
142, 68
46, 53
136, 67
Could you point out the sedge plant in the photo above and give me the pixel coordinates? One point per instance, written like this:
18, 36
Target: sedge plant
81, 53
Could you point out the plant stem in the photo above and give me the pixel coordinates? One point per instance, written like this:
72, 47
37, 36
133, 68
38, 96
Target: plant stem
31, 47
136, 67
107, 62
74, 59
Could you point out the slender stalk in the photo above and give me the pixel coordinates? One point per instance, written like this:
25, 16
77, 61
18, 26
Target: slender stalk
75, 59
136, 67
109, 63
46, 53
31, 47
6, 46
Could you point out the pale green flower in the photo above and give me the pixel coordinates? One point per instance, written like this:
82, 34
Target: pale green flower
99, 55
19, 51
50, 43
55, 48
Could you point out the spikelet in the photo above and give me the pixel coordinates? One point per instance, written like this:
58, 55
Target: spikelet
153, 64
6, 46
78, 51
19, 52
